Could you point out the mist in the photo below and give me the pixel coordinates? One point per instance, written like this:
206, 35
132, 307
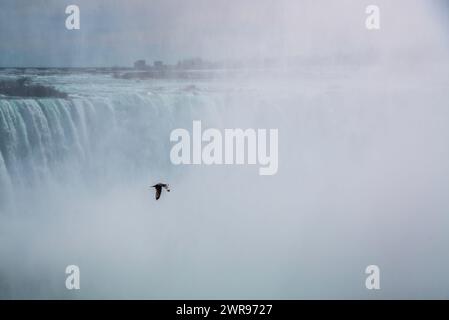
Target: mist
116, 33
363, 155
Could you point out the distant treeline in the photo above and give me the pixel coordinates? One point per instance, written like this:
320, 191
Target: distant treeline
23, 87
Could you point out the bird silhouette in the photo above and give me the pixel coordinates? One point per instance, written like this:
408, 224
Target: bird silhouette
159, 187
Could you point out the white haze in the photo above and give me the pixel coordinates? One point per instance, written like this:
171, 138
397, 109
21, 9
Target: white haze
362, 179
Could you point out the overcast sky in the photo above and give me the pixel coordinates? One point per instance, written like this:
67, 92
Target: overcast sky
118, 32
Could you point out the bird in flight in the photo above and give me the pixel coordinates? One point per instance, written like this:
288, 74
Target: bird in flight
159, 187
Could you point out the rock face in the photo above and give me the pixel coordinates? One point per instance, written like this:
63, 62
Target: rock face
23, 88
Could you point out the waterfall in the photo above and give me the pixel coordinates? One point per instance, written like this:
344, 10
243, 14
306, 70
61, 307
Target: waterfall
5, 184
59, 140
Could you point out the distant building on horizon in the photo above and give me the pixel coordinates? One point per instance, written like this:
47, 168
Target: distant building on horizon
193, 63
158, 64
140, 65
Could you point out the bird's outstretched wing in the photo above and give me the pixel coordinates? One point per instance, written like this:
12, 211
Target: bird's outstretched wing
158, 192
